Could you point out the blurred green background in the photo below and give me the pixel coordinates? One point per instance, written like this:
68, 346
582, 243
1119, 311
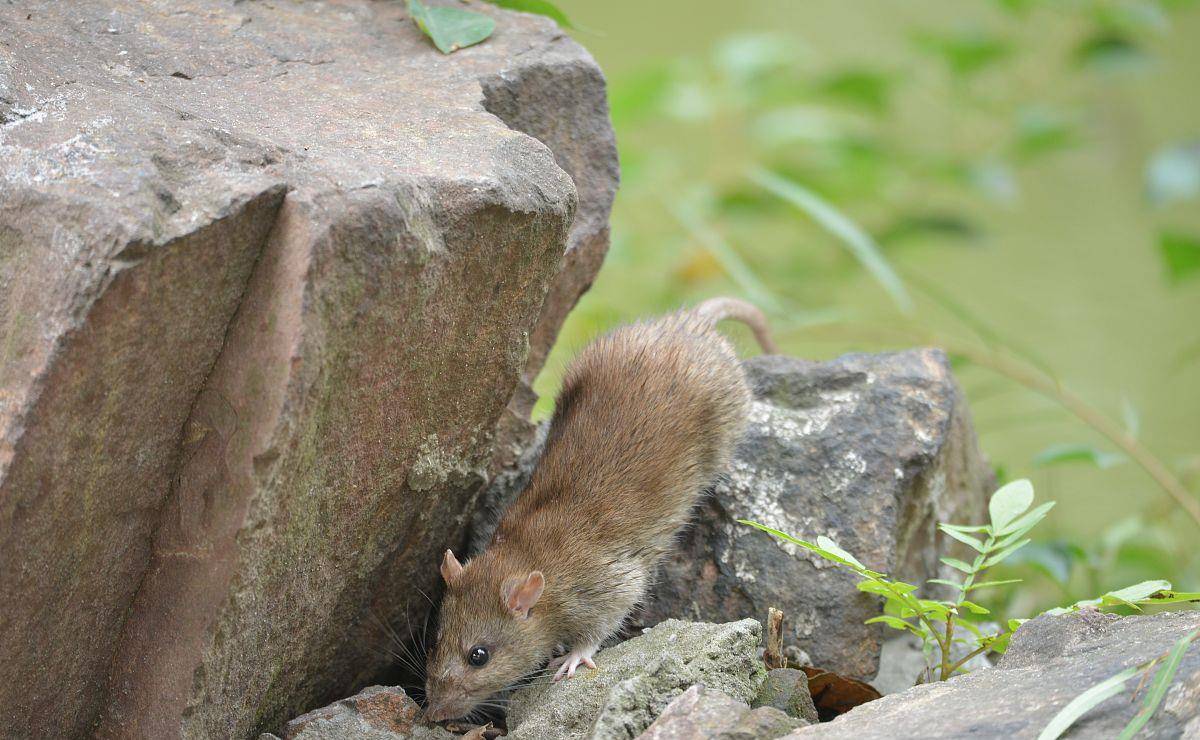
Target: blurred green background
1024, 173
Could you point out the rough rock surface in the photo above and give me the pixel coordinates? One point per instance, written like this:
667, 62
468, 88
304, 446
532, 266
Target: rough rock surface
786, 689
1051, 660
635, 680
375, 713
269, 275
705, 713
869, 450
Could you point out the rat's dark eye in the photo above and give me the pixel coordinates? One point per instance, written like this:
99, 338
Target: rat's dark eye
478, 656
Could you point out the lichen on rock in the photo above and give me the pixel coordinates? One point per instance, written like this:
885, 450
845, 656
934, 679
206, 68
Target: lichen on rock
635, 680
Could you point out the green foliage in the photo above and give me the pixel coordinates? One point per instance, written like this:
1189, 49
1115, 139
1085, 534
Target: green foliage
944, 623
861, 245
1065, 453
1180, 254
450, 28
993, 160
967, 51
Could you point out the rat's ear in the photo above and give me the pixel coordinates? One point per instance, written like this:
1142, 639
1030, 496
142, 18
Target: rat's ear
520, 594
451, 568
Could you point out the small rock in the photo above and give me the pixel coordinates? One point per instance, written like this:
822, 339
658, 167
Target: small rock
706, 713
786, 689
635, 680
375, 713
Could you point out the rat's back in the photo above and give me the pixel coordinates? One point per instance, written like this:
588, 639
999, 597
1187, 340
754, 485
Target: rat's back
647, 418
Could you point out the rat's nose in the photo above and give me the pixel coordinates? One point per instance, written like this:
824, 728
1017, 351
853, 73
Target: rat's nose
439, 710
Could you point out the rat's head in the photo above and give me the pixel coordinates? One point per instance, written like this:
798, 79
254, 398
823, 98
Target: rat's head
488, 635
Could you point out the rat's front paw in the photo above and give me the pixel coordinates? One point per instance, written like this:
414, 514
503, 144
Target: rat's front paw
568, 663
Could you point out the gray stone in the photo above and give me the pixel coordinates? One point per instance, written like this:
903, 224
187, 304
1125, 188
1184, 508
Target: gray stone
270, 274
1051, 660
786, 689
375, 713
707, 713
635, 680
871, 451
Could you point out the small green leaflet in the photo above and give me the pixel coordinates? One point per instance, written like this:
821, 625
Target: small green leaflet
449, 28
1008, 503
966, 539
993, 560
1167, 596
829, 545
537, 7
1146, 592
838, 555
989, 584
894, 623
958, 565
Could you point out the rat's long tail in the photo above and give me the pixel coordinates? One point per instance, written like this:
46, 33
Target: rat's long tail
719, 309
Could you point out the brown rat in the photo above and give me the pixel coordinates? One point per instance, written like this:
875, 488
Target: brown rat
647, 418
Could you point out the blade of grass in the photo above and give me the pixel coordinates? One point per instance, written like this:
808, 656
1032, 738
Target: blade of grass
860, 244
1158, 689
1085, 702
727, 257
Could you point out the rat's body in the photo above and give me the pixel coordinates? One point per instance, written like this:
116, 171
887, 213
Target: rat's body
647, 418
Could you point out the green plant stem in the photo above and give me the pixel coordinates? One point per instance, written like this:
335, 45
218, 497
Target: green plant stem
981, 649
928, 625
1053, 390
947, 671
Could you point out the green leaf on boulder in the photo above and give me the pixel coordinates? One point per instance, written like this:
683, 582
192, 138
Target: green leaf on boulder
449, 28
537, 7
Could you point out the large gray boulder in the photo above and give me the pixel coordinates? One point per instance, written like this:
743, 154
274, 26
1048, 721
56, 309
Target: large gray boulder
871, 451
634, 681
270, 274
1051, 660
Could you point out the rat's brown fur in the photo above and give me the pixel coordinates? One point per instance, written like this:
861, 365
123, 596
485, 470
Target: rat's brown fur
647, 418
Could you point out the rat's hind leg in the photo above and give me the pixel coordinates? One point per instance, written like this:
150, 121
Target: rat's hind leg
572, 660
